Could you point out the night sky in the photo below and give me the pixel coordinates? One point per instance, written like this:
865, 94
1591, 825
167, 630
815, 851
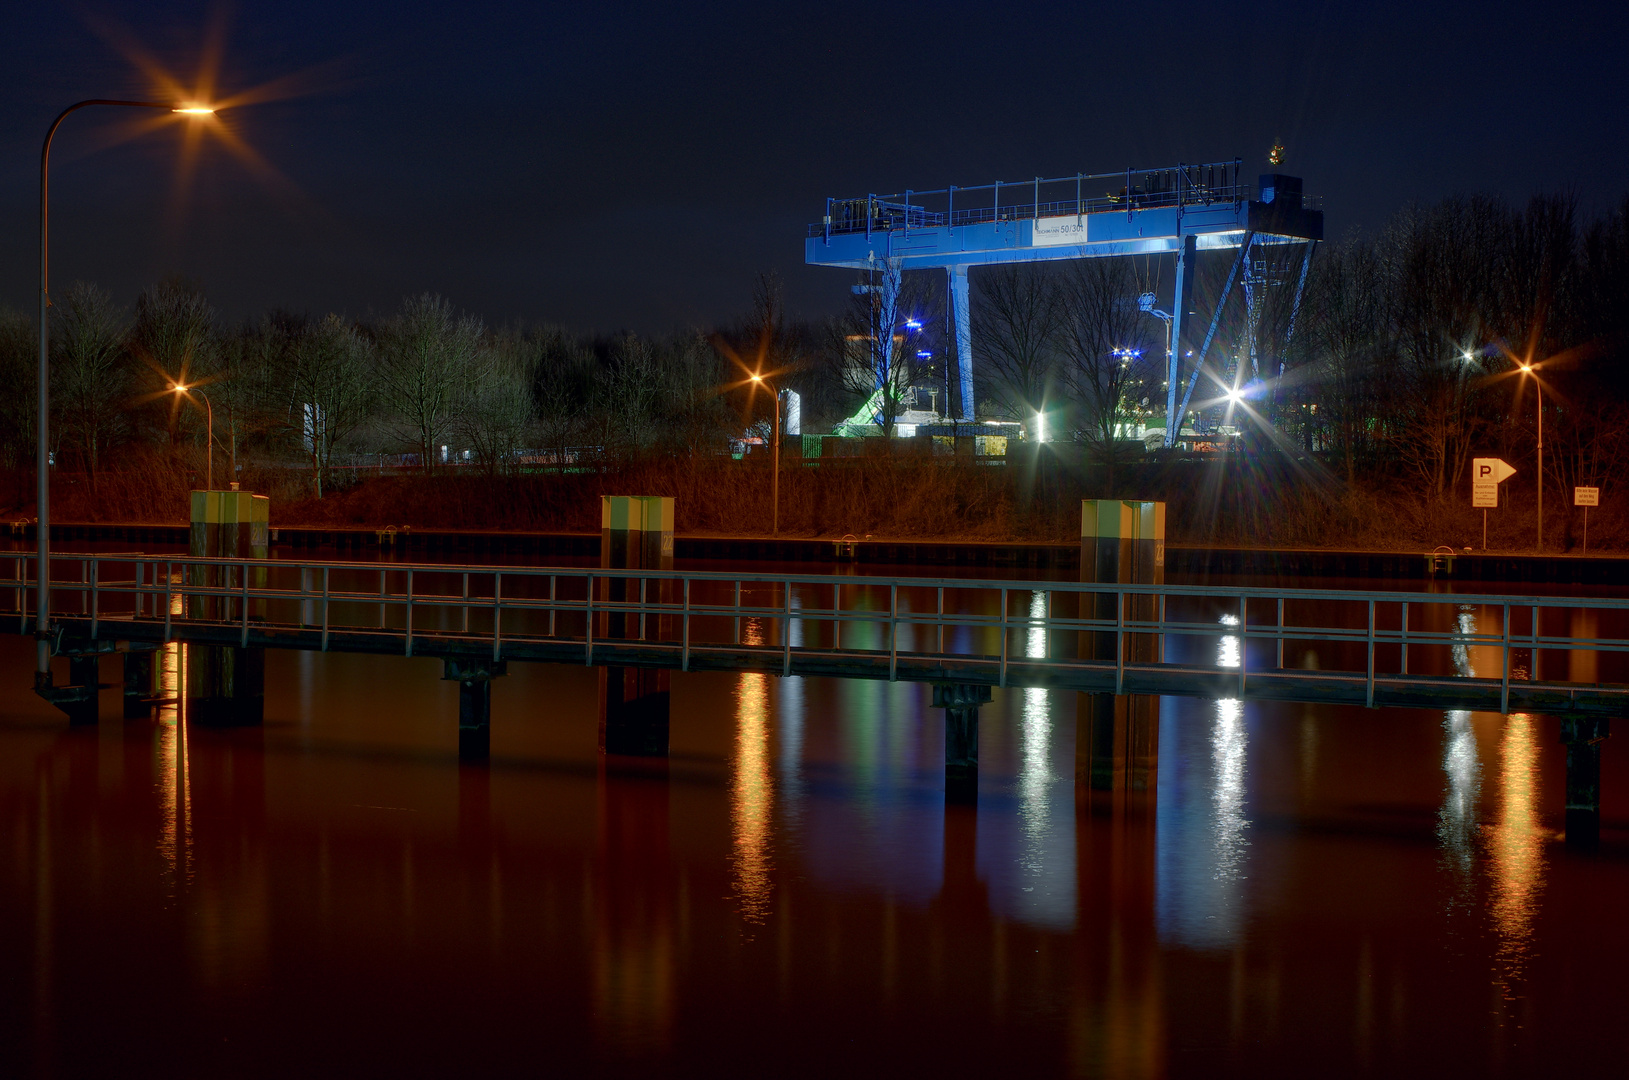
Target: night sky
634, 166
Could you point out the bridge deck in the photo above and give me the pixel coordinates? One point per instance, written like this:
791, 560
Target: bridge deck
1255, 643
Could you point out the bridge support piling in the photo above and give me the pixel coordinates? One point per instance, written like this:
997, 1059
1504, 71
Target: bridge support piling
961, 702
82, 672
226, 684
139, 688
636, 533
1117, 735
1582, 737
474, 679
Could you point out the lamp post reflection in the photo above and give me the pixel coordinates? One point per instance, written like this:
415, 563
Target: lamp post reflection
751, 792
175, 837
1516, 851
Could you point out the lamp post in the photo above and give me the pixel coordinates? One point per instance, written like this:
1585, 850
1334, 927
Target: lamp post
209, 434
775, 457
1538, 385
42, 604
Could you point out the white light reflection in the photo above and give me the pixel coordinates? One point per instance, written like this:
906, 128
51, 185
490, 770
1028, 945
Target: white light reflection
1228, 743
1464, 624
1035, 769
1462, 768
1457, 820
1203, 844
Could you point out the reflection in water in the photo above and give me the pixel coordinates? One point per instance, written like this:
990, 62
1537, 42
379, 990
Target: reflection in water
1202, 824
1041, 848
752, 790
170, 747
1464, 623
751, 796
1227, 743
1516, 848
1035, 768
1456, 821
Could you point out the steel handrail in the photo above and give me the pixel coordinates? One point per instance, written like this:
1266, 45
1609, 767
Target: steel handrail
96, 586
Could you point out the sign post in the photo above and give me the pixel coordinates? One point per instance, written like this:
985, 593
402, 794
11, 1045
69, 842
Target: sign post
1487, 473
1586, 497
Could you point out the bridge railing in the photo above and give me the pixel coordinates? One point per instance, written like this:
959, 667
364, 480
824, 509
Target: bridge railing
1130, 189
1004, 632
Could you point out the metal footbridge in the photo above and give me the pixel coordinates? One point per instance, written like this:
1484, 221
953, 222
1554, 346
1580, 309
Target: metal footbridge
1499, 653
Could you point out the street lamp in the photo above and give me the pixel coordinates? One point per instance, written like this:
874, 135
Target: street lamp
775, 457
209, 436
1538, 385
42, 605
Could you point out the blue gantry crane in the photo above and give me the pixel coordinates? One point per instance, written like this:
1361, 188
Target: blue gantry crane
1178, 211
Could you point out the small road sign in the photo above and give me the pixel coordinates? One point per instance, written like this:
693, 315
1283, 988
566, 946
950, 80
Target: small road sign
1586, 496
1487, 473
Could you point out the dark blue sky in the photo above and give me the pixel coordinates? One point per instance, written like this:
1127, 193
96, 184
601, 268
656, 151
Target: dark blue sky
635, 165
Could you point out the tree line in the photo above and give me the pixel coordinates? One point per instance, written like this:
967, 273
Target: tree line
327, 391
1405, 361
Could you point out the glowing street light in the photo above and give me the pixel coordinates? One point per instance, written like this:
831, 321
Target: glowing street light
42, 607
209, 435
775, 457
1538, 384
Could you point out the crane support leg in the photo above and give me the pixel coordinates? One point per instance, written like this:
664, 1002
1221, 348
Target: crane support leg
964, 338
1215, 320
1186, 257
1295, 305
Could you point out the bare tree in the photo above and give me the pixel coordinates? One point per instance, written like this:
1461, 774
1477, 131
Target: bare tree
1016, 327
874, 345
19, 356
694, 414
430, 360
563, 390
1444, 267
628, 395
91, 384
1347, 317
1104, 338
334, 389
174, 338
499, 419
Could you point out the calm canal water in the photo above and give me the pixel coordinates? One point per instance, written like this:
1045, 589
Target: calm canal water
1316, 890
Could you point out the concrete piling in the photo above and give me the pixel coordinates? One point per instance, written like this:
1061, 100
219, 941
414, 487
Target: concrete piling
1117, 735
1582, 737
636, 533
82, 672
140, 686
474, 679
227, 684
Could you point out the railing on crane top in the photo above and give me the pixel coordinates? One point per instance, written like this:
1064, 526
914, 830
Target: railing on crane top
1131, 189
